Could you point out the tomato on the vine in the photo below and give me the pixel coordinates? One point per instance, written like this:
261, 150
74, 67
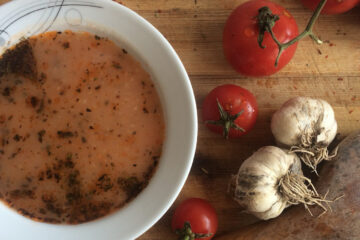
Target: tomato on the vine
240, 39
332, 6
230, 110
194, 219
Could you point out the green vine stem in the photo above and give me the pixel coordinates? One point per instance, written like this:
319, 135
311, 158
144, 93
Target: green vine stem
226, 121
266, 20
186, 233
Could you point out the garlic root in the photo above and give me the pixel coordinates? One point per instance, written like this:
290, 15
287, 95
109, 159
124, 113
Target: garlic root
298, 189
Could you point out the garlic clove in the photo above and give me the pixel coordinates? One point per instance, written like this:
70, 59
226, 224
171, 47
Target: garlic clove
273, 212
263, 199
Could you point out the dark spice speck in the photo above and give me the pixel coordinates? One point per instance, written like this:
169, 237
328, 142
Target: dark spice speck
104, 182
41, 135
6, 92
17, 137
66, 45
65, 134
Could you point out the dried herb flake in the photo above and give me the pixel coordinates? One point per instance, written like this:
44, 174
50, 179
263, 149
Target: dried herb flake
65, 134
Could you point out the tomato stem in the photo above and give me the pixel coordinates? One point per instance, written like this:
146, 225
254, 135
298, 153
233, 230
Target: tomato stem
186, 233
266, 21
226, 121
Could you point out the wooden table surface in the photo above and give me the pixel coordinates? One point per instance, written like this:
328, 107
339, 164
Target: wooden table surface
330, 71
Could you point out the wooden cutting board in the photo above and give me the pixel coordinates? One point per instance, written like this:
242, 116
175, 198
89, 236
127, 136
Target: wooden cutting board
330, 71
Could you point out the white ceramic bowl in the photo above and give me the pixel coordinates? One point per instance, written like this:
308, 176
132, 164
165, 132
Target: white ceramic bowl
23, 18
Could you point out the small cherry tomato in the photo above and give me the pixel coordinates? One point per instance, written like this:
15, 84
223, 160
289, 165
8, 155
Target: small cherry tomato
194, 219
332, 6
240, 39
230, 110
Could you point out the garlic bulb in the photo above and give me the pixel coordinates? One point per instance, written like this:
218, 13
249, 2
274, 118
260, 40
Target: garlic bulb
307, 126
271, 180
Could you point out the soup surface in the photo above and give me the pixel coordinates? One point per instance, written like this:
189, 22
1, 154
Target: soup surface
81, 127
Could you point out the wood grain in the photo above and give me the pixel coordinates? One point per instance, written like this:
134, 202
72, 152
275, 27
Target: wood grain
194, 28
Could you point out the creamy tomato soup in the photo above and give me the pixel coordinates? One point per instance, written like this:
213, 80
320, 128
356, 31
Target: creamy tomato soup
81, 127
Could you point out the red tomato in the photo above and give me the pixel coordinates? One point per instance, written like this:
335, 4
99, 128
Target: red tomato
198, 214
240, 43
233, 100
332, 6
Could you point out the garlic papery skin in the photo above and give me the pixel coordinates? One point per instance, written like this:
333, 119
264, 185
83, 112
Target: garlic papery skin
256, 185
306, 125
